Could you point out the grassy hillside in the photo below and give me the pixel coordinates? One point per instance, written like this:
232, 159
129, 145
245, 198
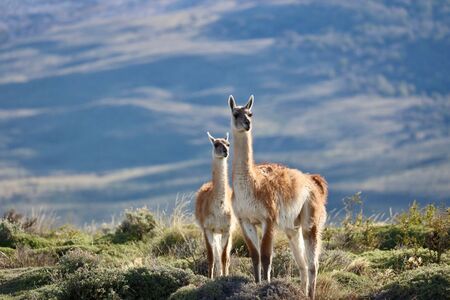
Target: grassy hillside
151, 256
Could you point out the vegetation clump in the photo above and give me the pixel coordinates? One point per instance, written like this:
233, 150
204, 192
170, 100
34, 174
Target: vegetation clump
159, 282
431, 282
13, 235
78, 259
96, 283
136, 225
405, 257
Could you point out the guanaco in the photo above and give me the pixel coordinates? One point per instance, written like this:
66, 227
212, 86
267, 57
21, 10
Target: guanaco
274, 196
214, 212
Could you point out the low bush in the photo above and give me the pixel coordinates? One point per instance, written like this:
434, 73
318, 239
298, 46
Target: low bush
90, 282
242, 288
181, 243
241, 266
26, 223
155, 283
397, 259
96, 283
7, 231
220, 288
12, 236
278, 289
76, 259
187, 292
430, 282
68, 236
239, 247
394, 236
136, 225
199, 265
283, 264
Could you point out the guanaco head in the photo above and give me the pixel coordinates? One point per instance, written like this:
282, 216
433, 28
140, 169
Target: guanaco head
241, 116
221, 147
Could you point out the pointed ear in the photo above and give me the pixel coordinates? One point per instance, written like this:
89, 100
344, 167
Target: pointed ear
231, 102
211, 138
250, 102
227, 137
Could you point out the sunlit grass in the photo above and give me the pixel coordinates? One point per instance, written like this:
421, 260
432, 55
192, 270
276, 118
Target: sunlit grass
363, 257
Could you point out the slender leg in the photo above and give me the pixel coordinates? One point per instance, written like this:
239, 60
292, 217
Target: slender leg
312, 248
298, 250
252, 241
214, 239
210, 255
266, 250
313, 220
226, 248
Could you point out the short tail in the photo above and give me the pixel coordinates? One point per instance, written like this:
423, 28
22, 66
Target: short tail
321, 183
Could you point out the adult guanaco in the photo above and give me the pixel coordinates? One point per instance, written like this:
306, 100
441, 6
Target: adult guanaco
274, 196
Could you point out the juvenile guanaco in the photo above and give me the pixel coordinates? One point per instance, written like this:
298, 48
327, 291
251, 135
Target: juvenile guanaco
214, 212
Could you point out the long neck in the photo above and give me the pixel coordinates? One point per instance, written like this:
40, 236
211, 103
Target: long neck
243, 154
220, 175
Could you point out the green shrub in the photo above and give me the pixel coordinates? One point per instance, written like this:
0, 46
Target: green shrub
198, 266
239, 247
187, 292
278, 289
438, 239
90, 282
59, 251
219, 288
155, 283
96, 283
67, 235
397, 259
236, 287
7, 232
169, 242
31, 240
12, 236
136, 225
431, 282
26, 223
283, 264
435, 224
179, 243
389, 237
241, 266
76, 259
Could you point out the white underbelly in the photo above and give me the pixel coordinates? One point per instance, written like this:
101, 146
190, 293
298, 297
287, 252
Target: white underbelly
289, 211
245, 206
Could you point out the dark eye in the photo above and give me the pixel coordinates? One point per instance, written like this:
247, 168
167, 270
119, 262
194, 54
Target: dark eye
235, 114
250, 114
